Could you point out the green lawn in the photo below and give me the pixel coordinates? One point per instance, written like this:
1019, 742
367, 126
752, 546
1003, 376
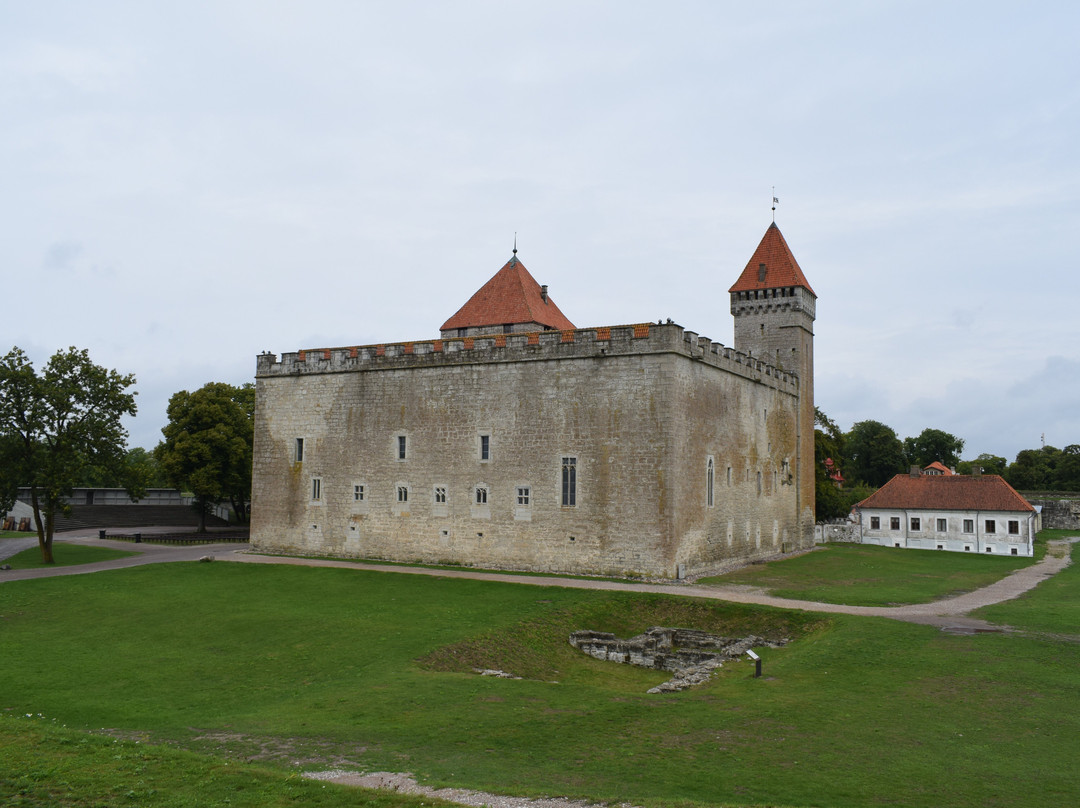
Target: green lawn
868, 575
1053, 606
65, 555
330, 667
14, 534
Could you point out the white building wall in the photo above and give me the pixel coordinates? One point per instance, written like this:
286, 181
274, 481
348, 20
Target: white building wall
986, 532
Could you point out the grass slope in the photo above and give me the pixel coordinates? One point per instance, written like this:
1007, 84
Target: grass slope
329, 666
868, 575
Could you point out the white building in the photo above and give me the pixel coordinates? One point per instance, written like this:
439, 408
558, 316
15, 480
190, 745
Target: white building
977, 514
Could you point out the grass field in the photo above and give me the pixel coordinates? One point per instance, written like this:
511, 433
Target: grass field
295, 668
868, 575
66, 555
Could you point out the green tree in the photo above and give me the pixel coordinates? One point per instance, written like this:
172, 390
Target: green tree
1067, 473
54, 426
873, 453
988, 463
207, 446
1034, 469
931, 445
829, 500
139, 470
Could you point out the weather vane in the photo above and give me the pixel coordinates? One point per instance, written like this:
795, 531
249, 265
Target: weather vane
775, 202
515, 242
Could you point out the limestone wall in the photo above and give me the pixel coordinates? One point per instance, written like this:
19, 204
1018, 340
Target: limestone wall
641, 409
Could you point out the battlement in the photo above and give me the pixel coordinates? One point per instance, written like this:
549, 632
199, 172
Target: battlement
793, 298
603, 341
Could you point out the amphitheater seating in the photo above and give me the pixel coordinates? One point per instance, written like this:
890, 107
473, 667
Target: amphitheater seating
83, 517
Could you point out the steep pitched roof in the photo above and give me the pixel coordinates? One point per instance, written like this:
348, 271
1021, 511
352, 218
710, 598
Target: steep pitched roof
947, 493
511, 296
781, 268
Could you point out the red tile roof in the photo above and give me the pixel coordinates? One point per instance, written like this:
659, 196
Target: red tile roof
939, 467
511, 296
957, 492
781, 268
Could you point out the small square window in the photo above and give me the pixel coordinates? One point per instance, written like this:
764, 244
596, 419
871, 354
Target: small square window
1014, 552
358, 493
523, 496
941, 546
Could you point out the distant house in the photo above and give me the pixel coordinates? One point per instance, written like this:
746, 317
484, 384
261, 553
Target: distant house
938, 469
940, 510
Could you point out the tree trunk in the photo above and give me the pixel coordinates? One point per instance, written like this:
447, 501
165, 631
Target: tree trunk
44, 529
202, 515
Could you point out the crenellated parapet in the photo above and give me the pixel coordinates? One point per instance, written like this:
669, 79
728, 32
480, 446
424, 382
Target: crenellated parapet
784, 299
597, 343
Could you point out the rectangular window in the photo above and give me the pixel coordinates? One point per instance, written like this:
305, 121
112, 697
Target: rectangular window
485, 447
440, 495
942, 526
523, 496
1014, 527
299, 450
401, 444
710, 473
729, 475
481, 495
569, 482
916, 524
894, 523
403, 493
969, 525
991, 526
875, 523
316, 488
358, 493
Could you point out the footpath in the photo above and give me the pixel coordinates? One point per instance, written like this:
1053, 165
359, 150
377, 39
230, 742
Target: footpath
950, 613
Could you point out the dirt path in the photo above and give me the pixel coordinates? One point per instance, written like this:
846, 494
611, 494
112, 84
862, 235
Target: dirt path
950, 613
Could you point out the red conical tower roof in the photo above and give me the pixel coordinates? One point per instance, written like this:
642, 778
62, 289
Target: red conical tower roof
512, 297
781, 268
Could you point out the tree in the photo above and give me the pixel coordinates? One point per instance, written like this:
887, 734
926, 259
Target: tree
1034, 469
208, 444
931, 445
139, 470
988, 463
829, 501
56, 425
873, 453
1068, 469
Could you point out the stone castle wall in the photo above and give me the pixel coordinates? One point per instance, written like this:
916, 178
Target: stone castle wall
641, 409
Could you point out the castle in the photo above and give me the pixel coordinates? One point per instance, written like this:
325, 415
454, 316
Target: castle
518, 441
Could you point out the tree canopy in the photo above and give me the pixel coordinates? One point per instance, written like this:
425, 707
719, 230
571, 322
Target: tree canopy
933, 445
56, 425
874, 453
208, 444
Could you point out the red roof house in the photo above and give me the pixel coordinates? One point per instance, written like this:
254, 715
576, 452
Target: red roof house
981, 514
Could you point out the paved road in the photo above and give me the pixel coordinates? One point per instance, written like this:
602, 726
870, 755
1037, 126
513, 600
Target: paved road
948, 613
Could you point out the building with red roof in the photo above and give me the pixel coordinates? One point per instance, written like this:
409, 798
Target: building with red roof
975, 514
516, 440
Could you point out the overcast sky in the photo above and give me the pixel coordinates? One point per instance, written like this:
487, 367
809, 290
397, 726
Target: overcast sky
185, 185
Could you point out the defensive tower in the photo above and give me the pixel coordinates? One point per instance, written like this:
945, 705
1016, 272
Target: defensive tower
774, 309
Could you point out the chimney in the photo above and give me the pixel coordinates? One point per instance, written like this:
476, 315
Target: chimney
976, 471
543, 293
915, 471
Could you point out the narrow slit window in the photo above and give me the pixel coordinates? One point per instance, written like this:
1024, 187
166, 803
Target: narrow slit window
569, 482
